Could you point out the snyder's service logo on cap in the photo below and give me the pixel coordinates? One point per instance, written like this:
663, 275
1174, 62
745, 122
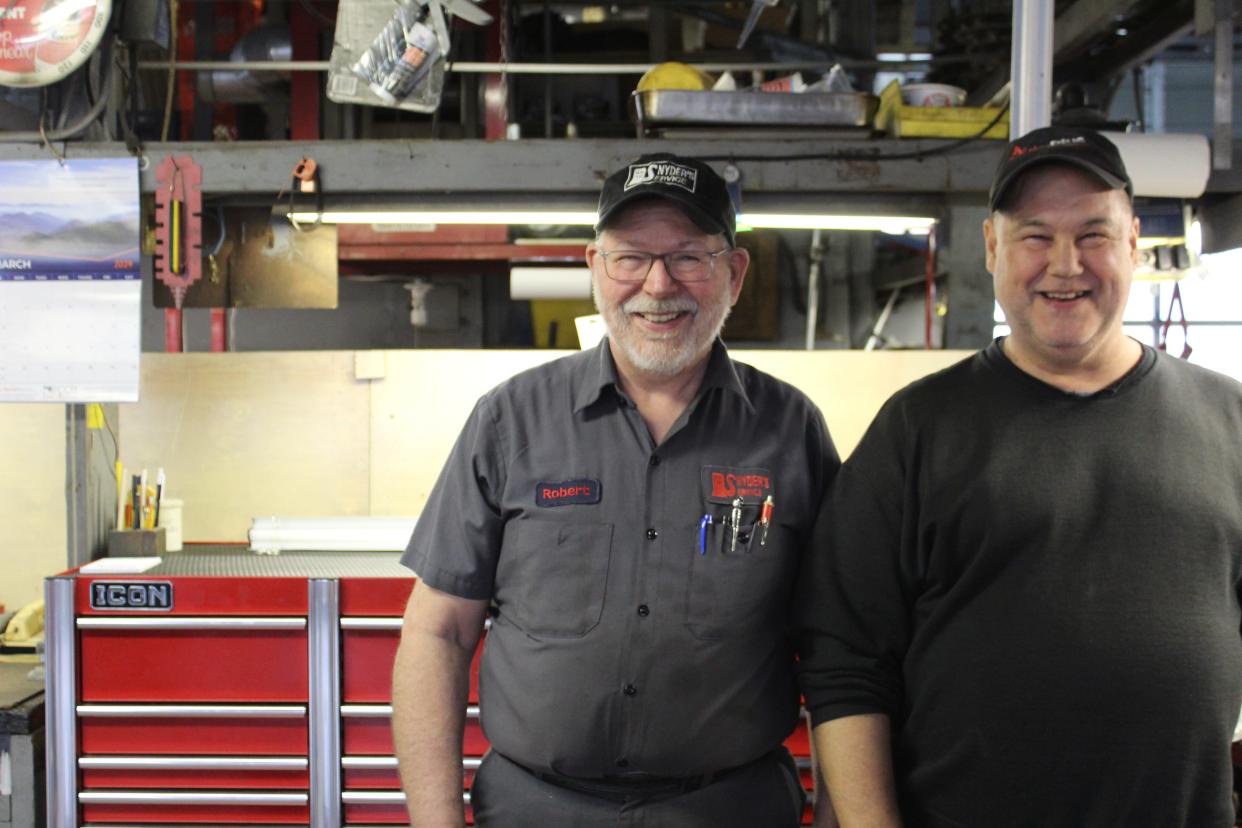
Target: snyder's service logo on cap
662, 172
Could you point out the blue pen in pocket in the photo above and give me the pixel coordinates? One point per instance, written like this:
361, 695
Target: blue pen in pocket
704, 522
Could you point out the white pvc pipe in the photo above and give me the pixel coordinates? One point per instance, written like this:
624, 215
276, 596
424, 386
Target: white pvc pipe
1030, 67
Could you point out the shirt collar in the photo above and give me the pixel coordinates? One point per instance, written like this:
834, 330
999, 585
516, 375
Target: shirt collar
598, 371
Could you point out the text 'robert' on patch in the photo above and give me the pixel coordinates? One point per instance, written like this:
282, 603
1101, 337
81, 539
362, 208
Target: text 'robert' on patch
567, 492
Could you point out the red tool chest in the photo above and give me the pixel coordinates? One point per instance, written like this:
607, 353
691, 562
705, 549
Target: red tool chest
229, 689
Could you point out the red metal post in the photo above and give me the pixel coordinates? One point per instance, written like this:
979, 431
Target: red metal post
219, 330
172, 330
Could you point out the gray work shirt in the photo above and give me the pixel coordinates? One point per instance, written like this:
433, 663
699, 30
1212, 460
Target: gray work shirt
628, 636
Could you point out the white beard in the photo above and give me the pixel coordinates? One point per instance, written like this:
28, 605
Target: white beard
666, 355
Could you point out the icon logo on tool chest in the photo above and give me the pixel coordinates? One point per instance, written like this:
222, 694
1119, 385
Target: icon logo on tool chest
148, 596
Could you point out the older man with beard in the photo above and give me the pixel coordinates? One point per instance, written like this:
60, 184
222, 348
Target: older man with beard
608, 508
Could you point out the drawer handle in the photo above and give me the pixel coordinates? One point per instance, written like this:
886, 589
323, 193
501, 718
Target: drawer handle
369, 762
383, 711
366, 623
257, 763
383, 798
94, 622
386, 762
189, 798
193, 711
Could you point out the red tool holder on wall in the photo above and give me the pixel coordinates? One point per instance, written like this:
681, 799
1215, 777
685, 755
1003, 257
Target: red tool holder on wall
178, 224
178, 235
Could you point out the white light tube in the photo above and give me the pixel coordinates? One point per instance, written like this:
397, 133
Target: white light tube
566, 217
799, 221
792, 221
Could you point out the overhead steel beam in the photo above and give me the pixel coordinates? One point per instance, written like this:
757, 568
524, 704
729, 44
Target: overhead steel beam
1170, 22
1072, 33
1075, 27
566, 167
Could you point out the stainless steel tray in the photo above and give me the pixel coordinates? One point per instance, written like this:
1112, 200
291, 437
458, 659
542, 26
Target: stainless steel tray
686, 106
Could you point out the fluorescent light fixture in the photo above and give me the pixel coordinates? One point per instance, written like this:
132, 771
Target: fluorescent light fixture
566, 217
902, 57
895, 225
336, 534
1148, 242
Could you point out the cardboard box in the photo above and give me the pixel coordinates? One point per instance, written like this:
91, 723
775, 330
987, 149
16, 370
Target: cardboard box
136, 543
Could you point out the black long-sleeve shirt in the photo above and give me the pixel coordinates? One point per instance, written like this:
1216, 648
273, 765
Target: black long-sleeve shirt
1041, 589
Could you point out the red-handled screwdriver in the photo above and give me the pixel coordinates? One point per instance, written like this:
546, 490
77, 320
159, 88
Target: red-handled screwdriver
765, 519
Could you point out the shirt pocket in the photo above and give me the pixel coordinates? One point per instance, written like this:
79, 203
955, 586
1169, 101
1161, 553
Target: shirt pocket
739, 591
551, 577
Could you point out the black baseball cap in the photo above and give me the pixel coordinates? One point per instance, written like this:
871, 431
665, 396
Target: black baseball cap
687, 182
1077, 146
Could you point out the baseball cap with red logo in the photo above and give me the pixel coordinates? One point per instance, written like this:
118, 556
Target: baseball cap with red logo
1079, 147
687, 182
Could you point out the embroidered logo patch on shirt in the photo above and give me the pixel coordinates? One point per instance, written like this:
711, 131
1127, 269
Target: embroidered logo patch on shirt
721, 484
567, 492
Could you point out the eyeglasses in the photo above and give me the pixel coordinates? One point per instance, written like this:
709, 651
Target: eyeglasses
682, 265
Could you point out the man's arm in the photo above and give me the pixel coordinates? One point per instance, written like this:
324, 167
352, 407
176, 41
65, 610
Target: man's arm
430, 682
855, 756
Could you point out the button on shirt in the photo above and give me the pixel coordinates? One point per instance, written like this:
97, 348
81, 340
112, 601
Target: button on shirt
557, 506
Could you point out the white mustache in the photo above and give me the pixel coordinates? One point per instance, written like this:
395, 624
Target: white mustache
647, 305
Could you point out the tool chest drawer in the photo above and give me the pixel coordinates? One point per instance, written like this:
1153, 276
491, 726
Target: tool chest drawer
375, 596
183, 772
191, 730
368, 648
379, 773
367, 731
195, 807
193, 659
373, 808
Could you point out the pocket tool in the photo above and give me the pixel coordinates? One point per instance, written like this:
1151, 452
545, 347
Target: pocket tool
735, 517
765, 519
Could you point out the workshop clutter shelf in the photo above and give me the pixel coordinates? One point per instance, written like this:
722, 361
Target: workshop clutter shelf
232, 689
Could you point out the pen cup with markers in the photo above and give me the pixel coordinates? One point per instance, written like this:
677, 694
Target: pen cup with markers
170, 521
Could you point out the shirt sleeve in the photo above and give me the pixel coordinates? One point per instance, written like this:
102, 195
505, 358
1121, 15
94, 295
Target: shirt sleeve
854, 596
456, 541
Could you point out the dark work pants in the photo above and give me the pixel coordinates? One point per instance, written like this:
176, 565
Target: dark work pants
766, 794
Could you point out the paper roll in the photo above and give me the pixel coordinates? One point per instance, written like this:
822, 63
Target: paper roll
1165, 165
590, 330
550, 283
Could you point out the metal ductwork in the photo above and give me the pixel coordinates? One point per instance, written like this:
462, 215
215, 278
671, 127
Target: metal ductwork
265, 42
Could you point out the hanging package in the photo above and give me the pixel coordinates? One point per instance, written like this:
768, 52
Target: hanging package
393, 52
